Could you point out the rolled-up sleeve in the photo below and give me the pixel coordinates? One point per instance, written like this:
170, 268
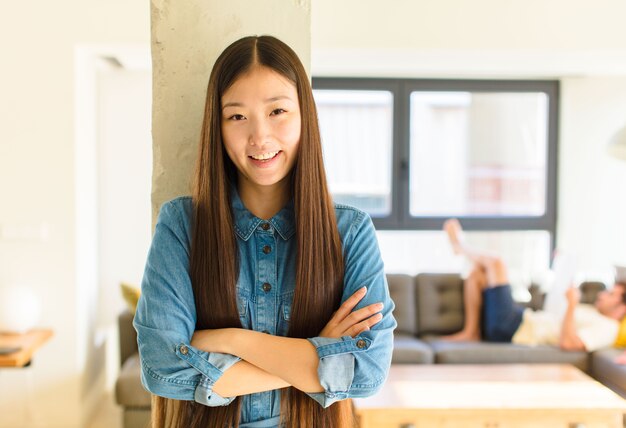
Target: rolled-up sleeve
358, 367
166, 318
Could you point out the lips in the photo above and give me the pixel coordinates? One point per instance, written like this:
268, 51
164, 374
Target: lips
265, 163
265, 156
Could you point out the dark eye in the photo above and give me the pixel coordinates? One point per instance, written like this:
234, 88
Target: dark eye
277, 111
237, 117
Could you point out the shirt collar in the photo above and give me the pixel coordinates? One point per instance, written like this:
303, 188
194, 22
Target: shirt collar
246, 222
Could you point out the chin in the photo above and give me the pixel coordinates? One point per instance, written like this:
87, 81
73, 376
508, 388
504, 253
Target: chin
270, 179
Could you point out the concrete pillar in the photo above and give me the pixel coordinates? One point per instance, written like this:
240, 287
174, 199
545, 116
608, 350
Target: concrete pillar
187, 37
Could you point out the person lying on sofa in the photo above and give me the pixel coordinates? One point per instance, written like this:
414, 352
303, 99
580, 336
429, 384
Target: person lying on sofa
492, 315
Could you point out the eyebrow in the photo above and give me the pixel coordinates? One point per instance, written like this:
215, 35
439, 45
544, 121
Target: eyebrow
267, 101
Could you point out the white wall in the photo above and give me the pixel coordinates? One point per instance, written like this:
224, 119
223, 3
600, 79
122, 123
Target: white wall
592, 198
453, 38
581, 44
37, 181
479, 24
125, 171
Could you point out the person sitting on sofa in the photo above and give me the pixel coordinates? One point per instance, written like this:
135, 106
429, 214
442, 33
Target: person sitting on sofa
492, 315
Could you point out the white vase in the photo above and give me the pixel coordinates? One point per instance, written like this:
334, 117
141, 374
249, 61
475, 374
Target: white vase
20, 309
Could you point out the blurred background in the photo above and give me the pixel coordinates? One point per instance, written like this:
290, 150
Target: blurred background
524, 166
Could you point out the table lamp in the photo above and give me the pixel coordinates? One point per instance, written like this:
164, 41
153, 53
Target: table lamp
20, 309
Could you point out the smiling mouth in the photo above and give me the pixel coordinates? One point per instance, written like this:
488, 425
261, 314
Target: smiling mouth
264, 157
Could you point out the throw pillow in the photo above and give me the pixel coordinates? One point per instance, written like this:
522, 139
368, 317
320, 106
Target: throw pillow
131, 295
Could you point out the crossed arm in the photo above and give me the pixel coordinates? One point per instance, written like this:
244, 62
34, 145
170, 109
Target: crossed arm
173, 367
272, 362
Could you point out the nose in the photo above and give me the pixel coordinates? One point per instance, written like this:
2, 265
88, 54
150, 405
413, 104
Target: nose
258, 132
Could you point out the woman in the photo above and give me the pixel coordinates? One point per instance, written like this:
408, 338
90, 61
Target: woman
262, 304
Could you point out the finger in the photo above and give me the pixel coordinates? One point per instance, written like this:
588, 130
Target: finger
365, 325
347, 306
359, 328
359, 315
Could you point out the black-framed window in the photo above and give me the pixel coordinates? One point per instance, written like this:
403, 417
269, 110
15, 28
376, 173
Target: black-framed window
414, 152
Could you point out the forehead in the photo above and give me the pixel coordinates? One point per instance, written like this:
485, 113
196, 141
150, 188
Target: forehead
260, 83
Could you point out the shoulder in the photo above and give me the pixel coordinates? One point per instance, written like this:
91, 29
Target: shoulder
351, 220
177, 208
176, 215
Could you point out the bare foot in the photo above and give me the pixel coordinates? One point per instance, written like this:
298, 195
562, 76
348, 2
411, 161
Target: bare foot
454, 230
462, 336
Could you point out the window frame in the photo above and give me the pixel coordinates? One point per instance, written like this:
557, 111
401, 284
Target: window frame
400, 217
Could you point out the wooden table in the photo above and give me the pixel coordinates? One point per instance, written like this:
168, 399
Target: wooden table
28, 344
507, 395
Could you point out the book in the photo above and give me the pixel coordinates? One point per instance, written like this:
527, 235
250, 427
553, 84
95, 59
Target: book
564, 268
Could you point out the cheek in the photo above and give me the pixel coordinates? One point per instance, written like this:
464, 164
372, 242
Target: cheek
230, 152
290, 132
232, 140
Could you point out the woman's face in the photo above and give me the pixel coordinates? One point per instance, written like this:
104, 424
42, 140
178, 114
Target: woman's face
261, 126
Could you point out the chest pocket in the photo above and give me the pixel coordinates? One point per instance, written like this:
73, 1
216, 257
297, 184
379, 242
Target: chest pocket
284, 313
243, 305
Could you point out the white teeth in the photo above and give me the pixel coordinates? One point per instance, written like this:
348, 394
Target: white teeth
265, 156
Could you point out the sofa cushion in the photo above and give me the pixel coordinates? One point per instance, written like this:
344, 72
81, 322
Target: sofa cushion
408, 349
129, 391
447, 352
439, 303
402, 291
607, 371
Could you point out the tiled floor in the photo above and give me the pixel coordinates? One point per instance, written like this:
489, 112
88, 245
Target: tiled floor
108, 415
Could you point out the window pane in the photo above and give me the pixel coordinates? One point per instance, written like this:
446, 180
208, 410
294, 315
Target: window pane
478, 154
357, 132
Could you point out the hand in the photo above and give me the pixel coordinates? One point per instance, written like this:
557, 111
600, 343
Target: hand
573, 296
344, 322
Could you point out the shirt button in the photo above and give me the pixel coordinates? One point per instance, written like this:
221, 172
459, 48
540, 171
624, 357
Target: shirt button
267, 287
267, 249
184, 350
265, 226
361, 344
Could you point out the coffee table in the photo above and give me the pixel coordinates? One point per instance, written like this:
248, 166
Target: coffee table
507, 395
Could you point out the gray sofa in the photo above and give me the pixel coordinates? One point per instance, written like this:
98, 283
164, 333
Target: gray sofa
427, 306
129, 391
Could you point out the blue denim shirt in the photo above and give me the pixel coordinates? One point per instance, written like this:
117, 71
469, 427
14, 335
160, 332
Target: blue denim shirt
166, 314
